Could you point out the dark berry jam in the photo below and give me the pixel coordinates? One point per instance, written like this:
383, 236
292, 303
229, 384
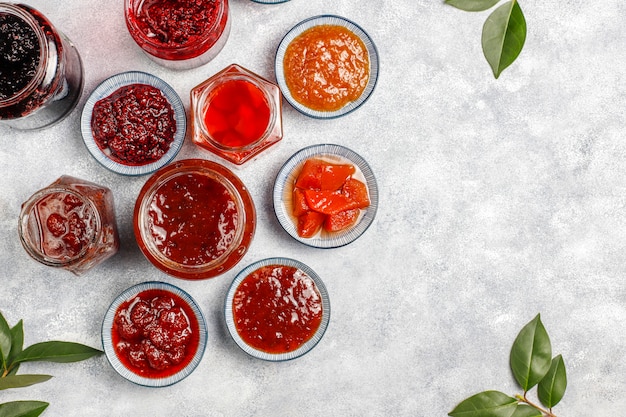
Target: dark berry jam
19, 55
135, 125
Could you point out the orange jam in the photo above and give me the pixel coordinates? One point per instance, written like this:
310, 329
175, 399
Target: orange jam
326, 67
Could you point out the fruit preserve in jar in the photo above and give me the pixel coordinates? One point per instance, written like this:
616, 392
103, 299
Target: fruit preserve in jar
70, 224
41, 76
236, 114
194, 219
179, 34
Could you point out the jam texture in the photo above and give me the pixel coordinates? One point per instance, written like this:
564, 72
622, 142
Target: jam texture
135, 125
19, 55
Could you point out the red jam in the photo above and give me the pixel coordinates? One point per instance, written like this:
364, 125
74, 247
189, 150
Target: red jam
237, 113
155, 334
179, 30
70, 224
135, 125
326, 67
194, 219
277, 309
326, 196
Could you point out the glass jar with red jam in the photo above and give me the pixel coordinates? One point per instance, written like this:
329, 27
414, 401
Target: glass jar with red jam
236, 114
70, 224
277, 309
41, 76
194, 219
179, 34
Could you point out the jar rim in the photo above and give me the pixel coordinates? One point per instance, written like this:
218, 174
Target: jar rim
21, 12
27, 210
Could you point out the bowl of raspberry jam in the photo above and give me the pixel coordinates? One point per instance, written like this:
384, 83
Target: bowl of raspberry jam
42, 74
154, 334
194, 219
236, 114
70, 224
179, 34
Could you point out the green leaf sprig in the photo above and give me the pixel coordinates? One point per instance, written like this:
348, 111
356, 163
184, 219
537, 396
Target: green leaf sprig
532, 365
504, 31
12, 354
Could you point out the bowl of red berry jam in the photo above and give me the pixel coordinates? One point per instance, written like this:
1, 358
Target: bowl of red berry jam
179, 34
325, 196
277, 309
154, 334
69, 224
236, 114
194, 219
133, 123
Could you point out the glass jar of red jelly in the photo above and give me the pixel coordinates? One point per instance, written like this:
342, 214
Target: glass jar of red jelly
42, 75
70, 224
179, 34
236, 114
194, 219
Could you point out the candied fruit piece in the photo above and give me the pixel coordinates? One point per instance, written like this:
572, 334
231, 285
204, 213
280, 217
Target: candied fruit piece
310, 223
56, 224
173, 319
300, 205
71, 202
142, 315
328, 202
356, 191
317, 174
341, 220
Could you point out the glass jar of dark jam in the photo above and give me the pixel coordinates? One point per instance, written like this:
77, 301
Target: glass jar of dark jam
41, 75
179, 34
70, 224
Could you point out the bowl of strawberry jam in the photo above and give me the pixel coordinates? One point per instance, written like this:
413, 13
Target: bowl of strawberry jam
70, 224
179, 34
194, 219
133, 123
154, 334
325, 196
236, 114
326, 66
277, 309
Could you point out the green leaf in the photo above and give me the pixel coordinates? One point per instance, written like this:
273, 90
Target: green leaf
552, 387
22, 408
17, 344
5, 341
21, 381
54, 351
472, 5
486, 404
531, 354
504, 34
526, 411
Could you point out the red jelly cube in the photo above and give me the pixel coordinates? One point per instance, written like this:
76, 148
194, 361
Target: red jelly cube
310, 223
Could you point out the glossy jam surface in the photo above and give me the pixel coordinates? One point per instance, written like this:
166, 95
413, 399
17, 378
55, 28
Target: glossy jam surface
19, 55
326, 67
277, 308
326, 196
155, 334
237, 113
193, 219
135, 125
67, 224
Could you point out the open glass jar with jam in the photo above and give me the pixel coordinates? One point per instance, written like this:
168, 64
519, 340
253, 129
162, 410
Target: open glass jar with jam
194, 219
179, 34
70, 224
236, 114
42, 75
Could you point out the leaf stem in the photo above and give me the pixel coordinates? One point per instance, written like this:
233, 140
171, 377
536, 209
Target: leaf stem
523, 399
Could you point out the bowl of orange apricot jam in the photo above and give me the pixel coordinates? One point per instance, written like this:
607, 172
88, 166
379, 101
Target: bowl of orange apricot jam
325, 196
326, 66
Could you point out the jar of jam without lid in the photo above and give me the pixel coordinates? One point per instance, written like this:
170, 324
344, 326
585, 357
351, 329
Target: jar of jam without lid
42, 74
179, 34
236, 114
194, 219
70, 224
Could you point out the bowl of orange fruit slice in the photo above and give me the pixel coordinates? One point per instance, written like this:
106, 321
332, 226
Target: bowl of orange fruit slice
325, 196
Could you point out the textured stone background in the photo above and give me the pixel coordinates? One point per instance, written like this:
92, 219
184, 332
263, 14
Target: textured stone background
499, 199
